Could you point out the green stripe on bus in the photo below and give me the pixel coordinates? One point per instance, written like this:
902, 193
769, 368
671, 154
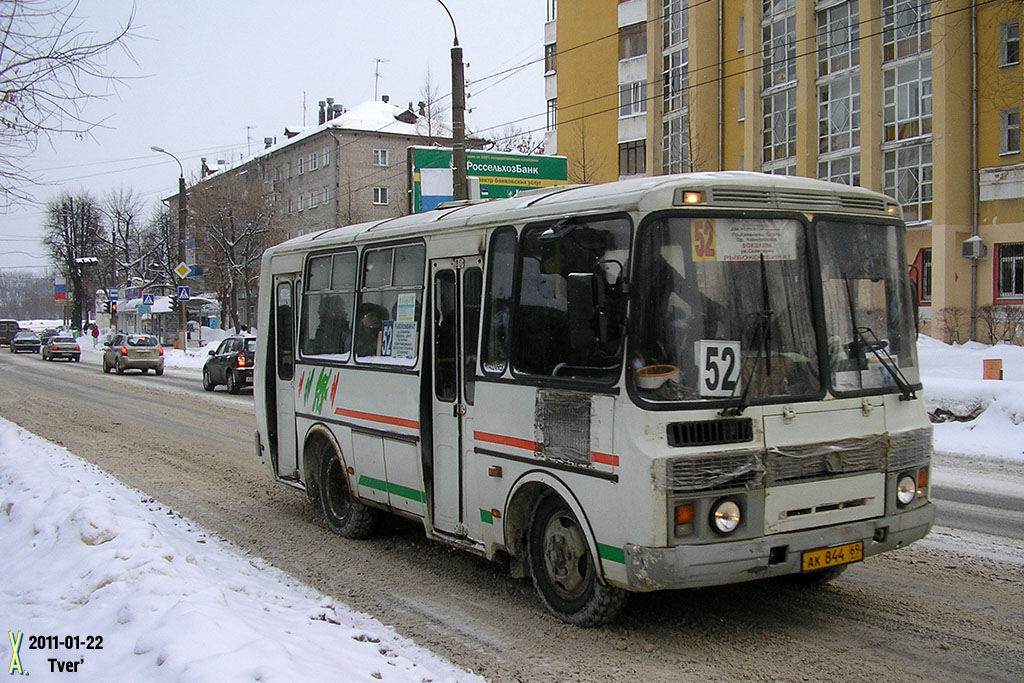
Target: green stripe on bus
611, 553
486, 517
396, 489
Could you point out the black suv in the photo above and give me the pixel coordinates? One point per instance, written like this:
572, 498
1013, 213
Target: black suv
231, 364
8, 328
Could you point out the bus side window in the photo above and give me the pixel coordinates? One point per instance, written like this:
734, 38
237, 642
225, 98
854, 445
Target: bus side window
285, 332
497, 315
472, 282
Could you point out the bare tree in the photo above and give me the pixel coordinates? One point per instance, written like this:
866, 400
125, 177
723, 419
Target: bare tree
585, 165
27, 295
952, 322
233, 224
50, 68
433, 113
159, 241
122, 210
515, 139
74, 235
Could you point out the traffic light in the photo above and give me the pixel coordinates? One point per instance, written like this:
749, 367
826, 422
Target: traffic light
106, 307
113, 308
174, 303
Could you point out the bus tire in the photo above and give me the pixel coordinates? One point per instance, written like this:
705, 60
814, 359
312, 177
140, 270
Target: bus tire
818, 578
564, 572
345, 516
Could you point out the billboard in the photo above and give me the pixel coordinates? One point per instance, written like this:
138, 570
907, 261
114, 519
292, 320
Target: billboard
500, 174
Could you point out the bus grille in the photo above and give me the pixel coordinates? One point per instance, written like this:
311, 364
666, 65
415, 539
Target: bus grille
562, 423
714, 472
710, 432
911, 448
811, 461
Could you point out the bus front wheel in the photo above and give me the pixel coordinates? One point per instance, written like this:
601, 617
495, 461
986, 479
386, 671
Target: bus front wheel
345, 516
563, 569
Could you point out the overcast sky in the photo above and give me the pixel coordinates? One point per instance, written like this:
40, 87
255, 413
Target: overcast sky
214, 78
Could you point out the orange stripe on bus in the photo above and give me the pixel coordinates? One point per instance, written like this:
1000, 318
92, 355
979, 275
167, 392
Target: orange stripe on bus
373, 417
604, 459
525, 444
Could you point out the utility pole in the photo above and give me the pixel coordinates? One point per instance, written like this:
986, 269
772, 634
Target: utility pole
460, 186
182, 213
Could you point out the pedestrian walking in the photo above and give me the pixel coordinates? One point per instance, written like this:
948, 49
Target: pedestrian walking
95, 334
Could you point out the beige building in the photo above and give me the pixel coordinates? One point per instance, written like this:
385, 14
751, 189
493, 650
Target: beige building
920, 99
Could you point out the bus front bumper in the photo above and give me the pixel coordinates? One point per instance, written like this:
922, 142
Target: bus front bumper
694, 566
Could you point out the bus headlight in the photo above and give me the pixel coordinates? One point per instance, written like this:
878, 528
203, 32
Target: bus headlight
906, 489
725, 516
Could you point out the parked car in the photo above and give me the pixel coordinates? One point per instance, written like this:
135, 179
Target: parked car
133, 352
231, 364
62, 346
8, 328
25, 340
47, 334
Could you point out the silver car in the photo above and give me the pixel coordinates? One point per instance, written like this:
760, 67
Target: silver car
62, 346
133, 352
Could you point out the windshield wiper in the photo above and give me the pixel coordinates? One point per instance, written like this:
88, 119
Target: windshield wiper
763, 330
877, 347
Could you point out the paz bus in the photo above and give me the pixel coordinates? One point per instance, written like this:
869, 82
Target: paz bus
659, 383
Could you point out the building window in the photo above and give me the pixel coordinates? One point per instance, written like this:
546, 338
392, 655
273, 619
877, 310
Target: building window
838, 38
632, 98
675, 75
907, 176
844, 169
313, 199
926, 275
302, 165
906, 28
314, 159
675, 18
741, 104
279, 174
632, 158
675, 151
290, 205
1011, 270
552, 121
289, 167
380, 158
326, 196
325, 157
1009, 43
552, 7
550, 52
1009, 131
302, 202
633, 41
380, 195
907, 100
779, 126
778, 60
741, 37
839, 114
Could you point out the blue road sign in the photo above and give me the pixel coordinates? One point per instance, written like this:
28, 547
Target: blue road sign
183, 293
147, 300
112, 293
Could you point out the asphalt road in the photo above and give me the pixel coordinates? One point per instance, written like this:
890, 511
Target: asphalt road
933, 611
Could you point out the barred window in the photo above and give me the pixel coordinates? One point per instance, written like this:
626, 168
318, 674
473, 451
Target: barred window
1011, 270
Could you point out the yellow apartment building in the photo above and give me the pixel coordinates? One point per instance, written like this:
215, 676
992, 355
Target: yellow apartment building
920, 99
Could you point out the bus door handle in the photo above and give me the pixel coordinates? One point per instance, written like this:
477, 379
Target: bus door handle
458, 410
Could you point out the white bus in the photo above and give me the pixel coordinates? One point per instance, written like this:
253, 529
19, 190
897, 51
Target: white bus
660, 383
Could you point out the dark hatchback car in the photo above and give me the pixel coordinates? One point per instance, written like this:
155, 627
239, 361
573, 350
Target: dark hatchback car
231, 364
25, 340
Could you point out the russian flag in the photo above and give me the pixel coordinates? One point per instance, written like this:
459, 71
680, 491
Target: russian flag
60, 294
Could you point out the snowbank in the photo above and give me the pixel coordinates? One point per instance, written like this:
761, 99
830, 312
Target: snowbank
89, 557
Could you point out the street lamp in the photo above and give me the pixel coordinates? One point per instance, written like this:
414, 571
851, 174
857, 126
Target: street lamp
182, 210
460, 186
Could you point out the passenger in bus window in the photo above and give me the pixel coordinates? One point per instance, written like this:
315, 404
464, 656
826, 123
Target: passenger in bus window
368, 331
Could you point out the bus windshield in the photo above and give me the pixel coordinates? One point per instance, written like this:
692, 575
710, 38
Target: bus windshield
723, 312
868, 306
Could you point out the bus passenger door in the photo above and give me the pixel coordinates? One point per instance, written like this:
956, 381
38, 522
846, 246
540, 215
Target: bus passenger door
455, 306
284, 367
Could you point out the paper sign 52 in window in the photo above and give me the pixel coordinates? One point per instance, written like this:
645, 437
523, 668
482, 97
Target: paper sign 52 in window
719, 363
741, 240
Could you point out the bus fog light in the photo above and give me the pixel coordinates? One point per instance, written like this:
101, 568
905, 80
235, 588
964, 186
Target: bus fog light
906, 489
725, 516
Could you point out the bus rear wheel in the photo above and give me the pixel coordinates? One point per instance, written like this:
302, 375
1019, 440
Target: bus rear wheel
564, 572
345, 516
